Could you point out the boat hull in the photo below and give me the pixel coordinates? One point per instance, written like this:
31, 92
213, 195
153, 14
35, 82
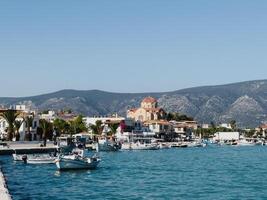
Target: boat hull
73, 164
139, 147
41, 161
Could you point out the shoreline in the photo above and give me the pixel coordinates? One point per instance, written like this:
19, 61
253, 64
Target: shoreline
4, 193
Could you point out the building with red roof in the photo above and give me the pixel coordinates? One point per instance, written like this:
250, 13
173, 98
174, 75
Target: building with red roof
149, 110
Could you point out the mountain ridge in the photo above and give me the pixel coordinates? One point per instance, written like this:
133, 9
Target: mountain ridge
245, 102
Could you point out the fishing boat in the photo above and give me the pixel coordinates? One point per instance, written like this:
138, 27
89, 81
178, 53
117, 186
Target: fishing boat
18, 157
163, 145
196, 144
41, 160
72, 162
139, 146
179, 145
34, 158
106, 145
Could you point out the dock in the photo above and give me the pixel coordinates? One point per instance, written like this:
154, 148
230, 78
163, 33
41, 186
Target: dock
26, 148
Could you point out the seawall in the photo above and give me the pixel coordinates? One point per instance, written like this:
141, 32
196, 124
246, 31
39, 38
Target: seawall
4, 193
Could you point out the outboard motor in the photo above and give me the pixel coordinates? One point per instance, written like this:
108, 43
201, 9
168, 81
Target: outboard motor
24, 158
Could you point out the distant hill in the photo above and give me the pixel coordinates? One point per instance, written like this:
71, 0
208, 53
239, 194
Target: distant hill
246, 102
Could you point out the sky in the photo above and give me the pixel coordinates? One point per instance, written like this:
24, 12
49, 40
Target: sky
129, 46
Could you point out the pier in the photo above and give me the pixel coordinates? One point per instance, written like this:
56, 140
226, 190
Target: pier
26, 148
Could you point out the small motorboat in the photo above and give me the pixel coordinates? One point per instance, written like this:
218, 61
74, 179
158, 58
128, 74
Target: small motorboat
18, 157
139, 146
106, 145
41, 160
179, 145
34, 158
73, 162
165, 145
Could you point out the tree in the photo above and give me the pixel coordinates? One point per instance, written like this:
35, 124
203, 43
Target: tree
97, 127
77, 125
113, 128
29, 122
61, 126
178, 117
17, 125
46, 128
233, 124
10, 117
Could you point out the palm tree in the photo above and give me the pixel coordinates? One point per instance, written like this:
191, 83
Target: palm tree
61, 126
29, 122
17, 125
10, 117
46, 127
113, 128
97, 127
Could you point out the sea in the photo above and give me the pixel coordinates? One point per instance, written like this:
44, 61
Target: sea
209, 173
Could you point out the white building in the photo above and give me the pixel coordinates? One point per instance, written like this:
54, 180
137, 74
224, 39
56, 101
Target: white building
225, 125
223, 136
23, 108
92, 120
24, 111
50, 116
158, 126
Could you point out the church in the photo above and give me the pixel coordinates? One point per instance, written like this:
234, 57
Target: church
148, 111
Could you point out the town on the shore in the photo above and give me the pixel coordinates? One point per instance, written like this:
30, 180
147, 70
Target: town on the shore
146, 124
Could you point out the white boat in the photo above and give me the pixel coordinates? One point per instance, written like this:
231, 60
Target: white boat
179, 145
18, 157
71, 162
196, 144
34, 158
249, 142
139, 146
41, 160
245, 143
106, 145
164, 145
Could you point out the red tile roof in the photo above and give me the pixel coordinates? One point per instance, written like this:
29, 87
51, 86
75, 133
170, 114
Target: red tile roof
149, 100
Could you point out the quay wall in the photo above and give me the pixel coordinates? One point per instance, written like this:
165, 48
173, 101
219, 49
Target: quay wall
4, 193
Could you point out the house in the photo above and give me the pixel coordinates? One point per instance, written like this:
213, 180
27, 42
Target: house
48, 116
148, 111
183, 126
158, 126
225, 125
205, 126
24, 111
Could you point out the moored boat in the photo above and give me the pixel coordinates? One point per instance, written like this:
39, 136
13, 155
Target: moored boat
18, 157
106, 145
72, 162
139, 146
41, 160
34, 158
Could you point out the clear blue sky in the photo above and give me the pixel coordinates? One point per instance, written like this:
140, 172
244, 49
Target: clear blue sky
129, 45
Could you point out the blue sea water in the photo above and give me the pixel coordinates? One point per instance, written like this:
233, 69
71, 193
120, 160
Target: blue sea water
191, 173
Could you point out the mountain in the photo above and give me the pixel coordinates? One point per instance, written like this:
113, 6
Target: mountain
245, 102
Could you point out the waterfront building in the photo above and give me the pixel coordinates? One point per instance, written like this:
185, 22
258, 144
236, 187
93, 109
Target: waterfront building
159, 126
148, 111
25, 111
225, 125
104, 119
226, 136
205, 126
48, 116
